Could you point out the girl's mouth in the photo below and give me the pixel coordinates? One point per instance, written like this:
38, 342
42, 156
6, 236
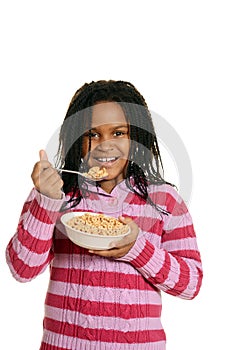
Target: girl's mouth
106, 161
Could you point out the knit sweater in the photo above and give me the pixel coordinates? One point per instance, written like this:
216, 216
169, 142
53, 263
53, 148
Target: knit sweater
97, 303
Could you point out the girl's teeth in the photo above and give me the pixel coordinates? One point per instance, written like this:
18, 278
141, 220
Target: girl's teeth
105, 160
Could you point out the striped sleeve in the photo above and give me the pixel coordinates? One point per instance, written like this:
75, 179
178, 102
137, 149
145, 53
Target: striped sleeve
174, 267
30, 250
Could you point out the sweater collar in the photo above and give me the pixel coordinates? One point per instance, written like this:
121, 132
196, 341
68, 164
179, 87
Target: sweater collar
117, 190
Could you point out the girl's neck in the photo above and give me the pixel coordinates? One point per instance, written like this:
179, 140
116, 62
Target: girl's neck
109, 185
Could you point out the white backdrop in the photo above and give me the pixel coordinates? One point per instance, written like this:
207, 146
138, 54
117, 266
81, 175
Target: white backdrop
179, 54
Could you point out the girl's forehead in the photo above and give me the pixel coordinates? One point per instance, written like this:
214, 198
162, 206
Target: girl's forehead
107, 113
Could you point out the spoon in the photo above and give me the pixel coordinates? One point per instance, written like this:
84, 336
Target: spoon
85, 175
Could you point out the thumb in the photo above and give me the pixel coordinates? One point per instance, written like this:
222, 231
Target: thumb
43, 155
125, 219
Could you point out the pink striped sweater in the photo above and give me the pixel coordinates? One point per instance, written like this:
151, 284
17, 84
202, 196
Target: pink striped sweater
96, 303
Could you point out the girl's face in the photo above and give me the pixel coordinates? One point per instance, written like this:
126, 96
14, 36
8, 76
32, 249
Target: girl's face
110, 142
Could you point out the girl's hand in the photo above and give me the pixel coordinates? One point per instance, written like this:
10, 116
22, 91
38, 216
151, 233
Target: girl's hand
123, 246
46, 179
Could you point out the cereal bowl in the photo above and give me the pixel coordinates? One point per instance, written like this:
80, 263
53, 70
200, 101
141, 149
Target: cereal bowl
101, 236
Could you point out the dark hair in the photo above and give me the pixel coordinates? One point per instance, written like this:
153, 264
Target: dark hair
144, 156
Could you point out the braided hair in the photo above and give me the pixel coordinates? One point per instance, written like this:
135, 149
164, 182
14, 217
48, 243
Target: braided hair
144, 156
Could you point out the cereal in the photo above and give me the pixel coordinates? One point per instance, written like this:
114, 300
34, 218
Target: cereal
99, 224
96, 173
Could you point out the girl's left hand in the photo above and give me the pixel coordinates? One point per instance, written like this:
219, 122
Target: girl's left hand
122, 247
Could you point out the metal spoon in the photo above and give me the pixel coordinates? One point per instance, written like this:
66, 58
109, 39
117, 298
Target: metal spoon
85, 175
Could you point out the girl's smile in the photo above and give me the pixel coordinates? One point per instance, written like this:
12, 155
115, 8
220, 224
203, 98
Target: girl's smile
106, 162
107, 143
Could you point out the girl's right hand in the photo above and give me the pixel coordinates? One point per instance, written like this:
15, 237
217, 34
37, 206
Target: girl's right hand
46, 179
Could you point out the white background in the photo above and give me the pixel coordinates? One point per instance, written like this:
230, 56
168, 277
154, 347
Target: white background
179, 54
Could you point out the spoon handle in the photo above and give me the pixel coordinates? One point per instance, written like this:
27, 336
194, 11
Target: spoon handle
70, 171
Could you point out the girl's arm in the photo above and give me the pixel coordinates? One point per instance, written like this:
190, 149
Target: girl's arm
30, 250
172, 264
174, 267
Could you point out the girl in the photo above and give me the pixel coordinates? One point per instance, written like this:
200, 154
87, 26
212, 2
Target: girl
108, 299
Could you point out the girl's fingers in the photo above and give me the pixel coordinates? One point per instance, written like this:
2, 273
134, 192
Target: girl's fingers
44, 162
52, 177
114, 253
39, 169
128, 221
43, 155
45, 178
130, 238
124, 241
42, 165
49, 183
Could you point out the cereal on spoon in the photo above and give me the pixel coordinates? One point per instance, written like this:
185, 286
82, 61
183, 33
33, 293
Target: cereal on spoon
96, 173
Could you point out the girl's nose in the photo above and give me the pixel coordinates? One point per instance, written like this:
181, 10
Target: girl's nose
106, 145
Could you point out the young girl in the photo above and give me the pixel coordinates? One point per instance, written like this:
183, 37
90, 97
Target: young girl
107, 299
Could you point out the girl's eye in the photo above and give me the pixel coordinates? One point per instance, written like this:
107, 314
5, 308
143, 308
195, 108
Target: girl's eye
119, 133
92, 134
